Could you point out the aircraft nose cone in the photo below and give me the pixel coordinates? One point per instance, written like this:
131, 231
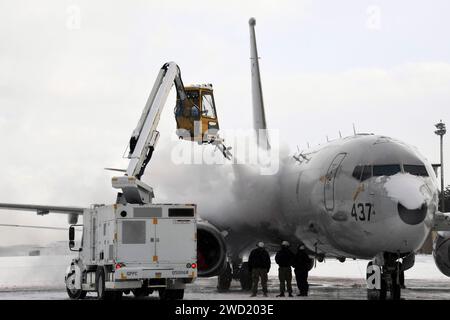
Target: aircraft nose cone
412, 216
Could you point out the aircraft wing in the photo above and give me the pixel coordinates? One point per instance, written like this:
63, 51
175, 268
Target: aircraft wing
42, 210
72, 212
442, 221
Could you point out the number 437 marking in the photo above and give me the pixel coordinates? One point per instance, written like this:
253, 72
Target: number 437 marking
362, 211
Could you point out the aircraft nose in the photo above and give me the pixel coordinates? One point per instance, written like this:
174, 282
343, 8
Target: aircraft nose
411, 195
412, 216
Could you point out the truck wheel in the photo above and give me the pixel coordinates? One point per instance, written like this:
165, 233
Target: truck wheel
102, 294
117, 295
171, 294
76, 294
71, 291
140, 292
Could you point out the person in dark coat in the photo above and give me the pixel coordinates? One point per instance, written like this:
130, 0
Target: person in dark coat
284, 258
259, 266
302, 265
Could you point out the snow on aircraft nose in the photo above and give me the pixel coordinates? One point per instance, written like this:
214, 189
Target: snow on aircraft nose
412, 195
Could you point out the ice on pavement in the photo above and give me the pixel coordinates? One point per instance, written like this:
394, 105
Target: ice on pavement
48, 271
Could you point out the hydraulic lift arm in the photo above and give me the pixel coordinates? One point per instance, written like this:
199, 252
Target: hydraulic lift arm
145, 135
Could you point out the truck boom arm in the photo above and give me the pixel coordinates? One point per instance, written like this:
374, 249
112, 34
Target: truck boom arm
145, 136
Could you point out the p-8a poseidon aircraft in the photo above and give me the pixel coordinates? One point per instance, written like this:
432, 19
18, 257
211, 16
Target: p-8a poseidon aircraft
361, 197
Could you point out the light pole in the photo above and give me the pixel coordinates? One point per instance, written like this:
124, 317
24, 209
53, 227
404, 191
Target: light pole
440, 132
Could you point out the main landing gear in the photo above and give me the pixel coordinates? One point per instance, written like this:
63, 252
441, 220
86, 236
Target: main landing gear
238, 270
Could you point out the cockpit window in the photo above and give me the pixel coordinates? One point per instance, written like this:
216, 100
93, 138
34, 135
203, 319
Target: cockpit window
357, 172
416, 170
386, 170
367, 173
362, 173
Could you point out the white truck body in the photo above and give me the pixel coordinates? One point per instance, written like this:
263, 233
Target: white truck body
133, 243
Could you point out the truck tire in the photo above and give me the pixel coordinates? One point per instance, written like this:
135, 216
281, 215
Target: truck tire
76, 294
140, 292
171, 294
117, 295
102, 294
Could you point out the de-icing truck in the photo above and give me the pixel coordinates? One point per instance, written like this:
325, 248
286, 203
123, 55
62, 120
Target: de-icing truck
135, 245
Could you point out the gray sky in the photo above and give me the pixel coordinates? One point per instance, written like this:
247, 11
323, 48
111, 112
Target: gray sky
75, 75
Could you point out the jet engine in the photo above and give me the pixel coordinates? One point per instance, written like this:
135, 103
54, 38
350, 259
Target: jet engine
211, 250
441, 252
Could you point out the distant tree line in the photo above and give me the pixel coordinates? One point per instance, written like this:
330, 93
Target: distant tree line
446, 199
427, 247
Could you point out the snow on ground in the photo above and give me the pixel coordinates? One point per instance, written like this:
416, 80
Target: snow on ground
33, 271
424, 268
48, 271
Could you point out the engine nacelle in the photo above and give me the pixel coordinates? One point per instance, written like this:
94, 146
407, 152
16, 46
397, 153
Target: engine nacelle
441, 252
211, 250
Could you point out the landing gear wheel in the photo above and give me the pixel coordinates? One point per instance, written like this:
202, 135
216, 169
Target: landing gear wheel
76, 294
396, 288
245, 278
396, 291
224, 279
171, 294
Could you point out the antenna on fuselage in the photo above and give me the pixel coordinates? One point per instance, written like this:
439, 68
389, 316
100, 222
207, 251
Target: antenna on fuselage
354, 130
340, 134
328, 140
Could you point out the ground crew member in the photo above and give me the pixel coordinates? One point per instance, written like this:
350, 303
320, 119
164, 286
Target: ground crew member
302, 265
259, 266
284, 258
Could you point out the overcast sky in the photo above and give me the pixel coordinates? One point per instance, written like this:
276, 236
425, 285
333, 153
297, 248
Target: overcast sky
75, 75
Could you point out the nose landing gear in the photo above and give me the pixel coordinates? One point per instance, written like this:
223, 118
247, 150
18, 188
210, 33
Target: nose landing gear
384, 278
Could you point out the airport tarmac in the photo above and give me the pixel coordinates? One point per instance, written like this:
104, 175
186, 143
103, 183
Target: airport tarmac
321, 288
42, 278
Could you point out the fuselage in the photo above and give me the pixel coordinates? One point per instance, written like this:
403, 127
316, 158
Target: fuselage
354, 197
360, 196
